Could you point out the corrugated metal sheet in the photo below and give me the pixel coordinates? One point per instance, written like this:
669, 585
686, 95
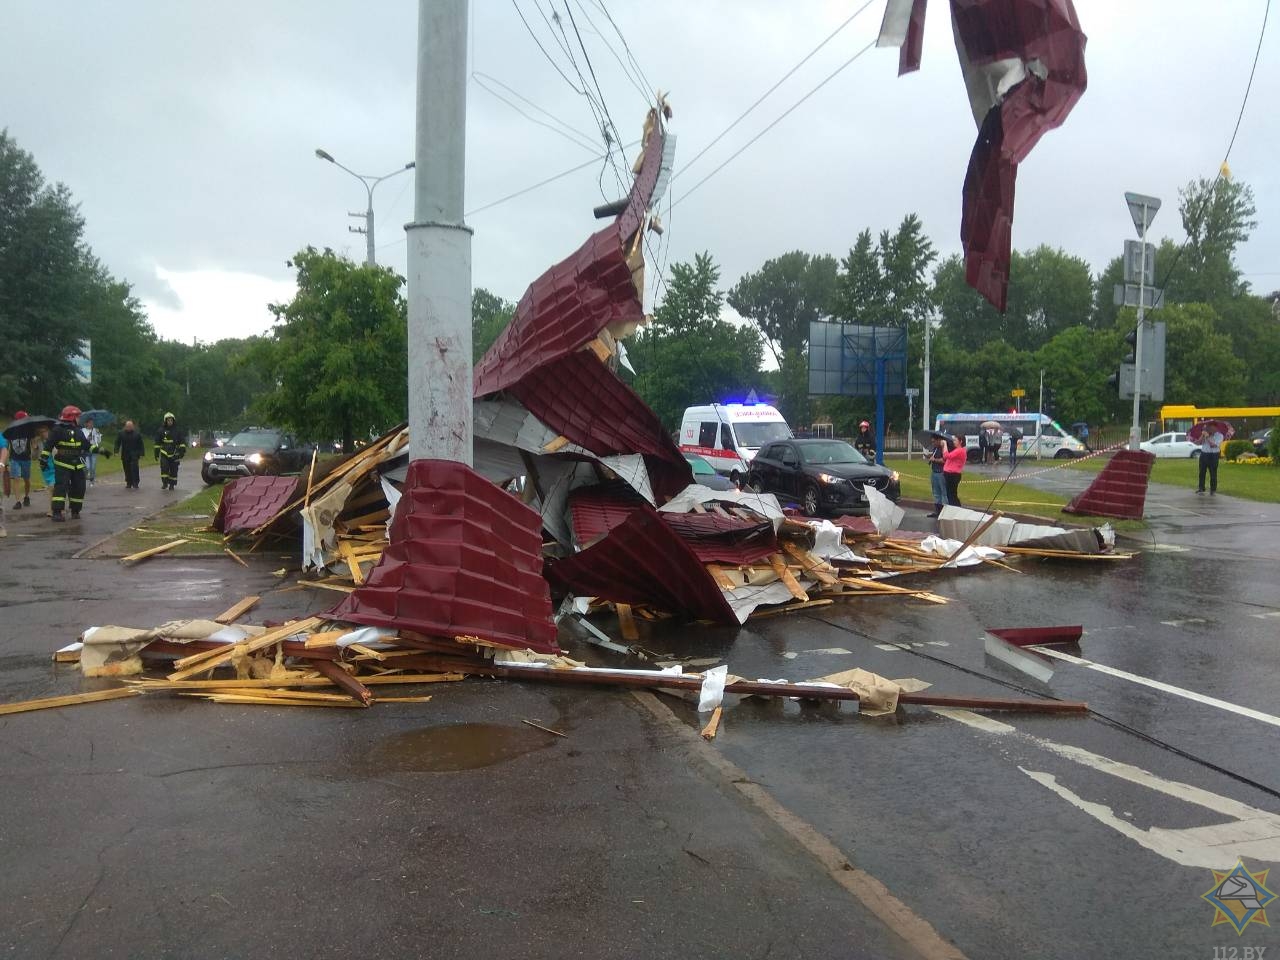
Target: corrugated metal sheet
249, 502
465, 559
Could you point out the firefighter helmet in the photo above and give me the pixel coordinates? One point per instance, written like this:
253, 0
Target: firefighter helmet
20, 415
70, 412
170, 416
864, 423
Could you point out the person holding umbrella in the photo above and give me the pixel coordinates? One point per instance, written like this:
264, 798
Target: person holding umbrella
170, 448
1210, 434
953, 462
94, 436
937, 482
20, 436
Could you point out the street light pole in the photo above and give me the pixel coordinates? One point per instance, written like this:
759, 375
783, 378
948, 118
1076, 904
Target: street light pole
369, 181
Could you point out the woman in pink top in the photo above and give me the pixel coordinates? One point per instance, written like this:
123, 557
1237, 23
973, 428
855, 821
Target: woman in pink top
953, 462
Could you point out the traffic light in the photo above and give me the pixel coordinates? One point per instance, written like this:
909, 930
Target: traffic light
1050, 401
1131, 338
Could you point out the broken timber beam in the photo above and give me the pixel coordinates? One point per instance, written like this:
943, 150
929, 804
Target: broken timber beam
344, 681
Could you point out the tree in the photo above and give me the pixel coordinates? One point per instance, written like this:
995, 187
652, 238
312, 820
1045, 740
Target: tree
1049, 291
783, 297
1217, 216
688, 355
490, 315
860, 286
338, 354
41, 284
1076, 363
1199, 365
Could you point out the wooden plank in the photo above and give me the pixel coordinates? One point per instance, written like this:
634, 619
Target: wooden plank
343, 704
600, 349
321, 585
785, 575
541, 727
811, 564
311, 475
353, 564
326, 638
163, 686
144, 554
249, 646
369, 652
627, 623
789, 608
358, 691
557, 444
237, 609
48, 703
234, 556
713, 725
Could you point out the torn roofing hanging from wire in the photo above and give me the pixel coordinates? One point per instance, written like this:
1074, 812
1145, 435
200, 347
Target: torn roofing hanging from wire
1023, 66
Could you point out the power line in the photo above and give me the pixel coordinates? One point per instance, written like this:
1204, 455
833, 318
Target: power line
720, 136
831, 76
626, 71
540, 183
523, 99
571, 137
548, 56
626, 46
1262, 32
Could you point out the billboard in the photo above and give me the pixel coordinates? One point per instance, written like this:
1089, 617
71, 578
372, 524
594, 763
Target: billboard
843, 358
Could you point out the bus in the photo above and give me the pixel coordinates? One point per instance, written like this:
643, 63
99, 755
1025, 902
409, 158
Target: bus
1180, 417
1039, 432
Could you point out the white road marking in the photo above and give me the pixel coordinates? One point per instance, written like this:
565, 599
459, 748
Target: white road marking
1183, 623
1160, 685
1265, 616
833, 651
1250, 832
913, 643
1166, 548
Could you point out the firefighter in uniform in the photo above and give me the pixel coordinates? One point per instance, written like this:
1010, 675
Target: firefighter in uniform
66, 447
170, 448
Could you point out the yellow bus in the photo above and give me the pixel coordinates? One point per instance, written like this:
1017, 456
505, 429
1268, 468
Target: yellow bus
1180, 417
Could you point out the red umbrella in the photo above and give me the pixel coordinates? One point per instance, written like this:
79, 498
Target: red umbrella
1197, 432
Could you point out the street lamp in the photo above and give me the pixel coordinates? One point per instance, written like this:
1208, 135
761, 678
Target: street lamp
369, 183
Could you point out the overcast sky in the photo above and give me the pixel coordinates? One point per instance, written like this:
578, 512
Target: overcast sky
187, 132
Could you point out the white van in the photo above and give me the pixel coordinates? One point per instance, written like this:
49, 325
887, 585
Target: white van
1051, 438
727, 435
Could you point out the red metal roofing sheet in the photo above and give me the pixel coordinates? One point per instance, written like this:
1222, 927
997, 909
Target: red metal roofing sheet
584, 400
249, 502
597, 509
643, 561
465, 559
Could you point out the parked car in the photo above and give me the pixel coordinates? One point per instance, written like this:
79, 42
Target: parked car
254, 452
821, 475
1171, 445
1260, 440
706, 475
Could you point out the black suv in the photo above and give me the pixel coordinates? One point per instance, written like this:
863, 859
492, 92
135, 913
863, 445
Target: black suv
254, 452
820, 475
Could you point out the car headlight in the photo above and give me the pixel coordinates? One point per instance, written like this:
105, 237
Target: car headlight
254, 459
894, 475
828, 478
208, 456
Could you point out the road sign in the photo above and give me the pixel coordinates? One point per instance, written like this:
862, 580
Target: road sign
1153, 340
913, 392
1017, 392
1134, 264
1126, 295
1143, 210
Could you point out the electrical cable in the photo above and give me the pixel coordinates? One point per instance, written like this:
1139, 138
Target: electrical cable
1110, 721
626, 71
604, 106
626, 46
831, 76
1262, 32
571, 137
548, 57
720, 136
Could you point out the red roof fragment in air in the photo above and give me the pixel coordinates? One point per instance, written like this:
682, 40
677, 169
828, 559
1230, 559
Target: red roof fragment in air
643, 561
249, 502
465, 559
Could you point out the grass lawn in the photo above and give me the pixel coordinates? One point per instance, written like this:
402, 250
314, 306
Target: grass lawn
977, 492
188, 518
1252, 482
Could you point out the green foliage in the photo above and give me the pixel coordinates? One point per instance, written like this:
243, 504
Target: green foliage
1076, 364
42, 284
1200, 367
1218, 216
1273, 443
490, 315
785, 295
688, 355
338, 353
1233, 448
1049, 291
887, 284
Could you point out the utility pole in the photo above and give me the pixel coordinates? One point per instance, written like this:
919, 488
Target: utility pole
1142, 209
924, 406
1040, 415
439, 243
369, 182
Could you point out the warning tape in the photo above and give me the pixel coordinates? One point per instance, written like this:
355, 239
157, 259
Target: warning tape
1010, 478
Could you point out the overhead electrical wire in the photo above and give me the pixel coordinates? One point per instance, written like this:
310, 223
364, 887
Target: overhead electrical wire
626, 46
807, 57
483, 80
627, 71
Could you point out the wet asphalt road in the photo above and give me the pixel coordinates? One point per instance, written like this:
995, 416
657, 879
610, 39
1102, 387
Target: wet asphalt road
161, 827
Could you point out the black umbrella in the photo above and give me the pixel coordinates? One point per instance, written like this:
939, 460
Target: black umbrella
941, 435
27, 427
100, 418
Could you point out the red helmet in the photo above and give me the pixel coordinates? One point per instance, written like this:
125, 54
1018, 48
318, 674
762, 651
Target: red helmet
20, 415
70, 412
864, 423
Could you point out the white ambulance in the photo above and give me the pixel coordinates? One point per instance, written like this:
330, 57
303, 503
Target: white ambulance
727, 435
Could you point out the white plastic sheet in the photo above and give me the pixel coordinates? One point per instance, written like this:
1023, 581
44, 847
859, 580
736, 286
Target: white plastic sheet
712, 694
885, 514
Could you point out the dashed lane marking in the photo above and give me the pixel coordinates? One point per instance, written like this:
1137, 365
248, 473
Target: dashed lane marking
913, 643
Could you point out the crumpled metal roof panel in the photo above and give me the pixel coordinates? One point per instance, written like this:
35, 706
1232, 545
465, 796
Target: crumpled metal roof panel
465, 559
643, 560
249, 502
583, 399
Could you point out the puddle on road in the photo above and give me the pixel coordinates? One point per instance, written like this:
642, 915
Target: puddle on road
457, 746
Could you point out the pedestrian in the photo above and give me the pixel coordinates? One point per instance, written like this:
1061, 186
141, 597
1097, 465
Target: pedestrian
953, 462
937, 481
1084, 437
982, 446
865, 441
67, 448
20, 465
131, 449
94, 436
1015, 437
994, 439
1210, 453
170, 448
47, 471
